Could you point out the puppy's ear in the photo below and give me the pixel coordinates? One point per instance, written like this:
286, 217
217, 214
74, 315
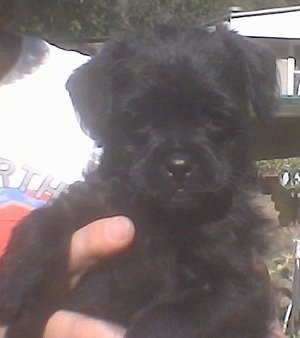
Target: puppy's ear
259, 71
93, 86
83, 86
262, 84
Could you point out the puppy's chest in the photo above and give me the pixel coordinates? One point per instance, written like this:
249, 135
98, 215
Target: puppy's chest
159, 269
153, 268
164, 260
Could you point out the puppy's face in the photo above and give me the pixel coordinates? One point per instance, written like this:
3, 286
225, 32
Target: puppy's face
179, 142
171, 111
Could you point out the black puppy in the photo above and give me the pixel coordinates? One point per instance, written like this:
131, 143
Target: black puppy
171, 109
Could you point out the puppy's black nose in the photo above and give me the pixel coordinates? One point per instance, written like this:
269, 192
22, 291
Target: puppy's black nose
179, 166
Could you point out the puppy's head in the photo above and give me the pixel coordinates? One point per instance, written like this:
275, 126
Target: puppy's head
171, 110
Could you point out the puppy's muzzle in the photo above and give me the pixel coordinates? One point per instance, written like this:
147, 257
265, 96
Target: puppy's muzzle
178, 166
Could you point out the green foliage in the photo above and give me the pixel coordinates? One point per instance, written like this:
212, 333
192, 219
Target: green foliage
145, 13
68, 18
103, 18
260, 4
267, 167
281, 265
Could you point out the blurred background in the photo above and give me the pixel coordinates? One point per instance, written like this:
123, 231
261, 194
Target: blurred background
74, 20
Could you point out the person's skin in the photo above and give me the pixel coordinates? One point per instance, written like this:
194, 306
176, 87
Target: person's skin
90, 244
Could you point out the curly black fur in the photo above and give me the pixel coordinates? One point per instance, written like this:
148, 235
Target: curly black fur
171, 109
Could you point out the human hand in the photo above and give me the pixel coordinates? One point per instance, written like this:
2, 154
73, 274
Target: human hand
90, 244
276, 331
98, 240
95, 241
66, 324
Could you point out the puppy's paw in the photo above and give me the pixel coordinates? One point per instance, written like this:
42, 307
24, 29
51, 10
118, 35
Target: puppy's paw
16, 284
11, 300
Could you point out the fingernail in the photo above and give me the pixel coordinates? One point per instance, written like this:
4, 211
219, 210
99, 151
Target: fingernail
120, 228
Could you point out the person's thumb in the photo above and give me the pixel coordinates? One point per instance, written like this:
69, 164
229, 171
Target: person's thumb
65, 324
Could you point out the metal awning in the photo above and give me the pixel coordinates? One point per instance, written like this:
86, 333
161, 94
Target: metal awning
273, 23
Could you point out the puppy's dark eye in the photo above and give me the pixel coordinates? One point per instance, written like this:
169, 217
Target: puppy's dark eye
215, 123
219, 127
138, 126
136, 122
139, 134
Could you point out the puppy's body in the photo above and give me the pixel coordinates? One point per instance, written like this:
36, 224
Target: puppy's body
171, 111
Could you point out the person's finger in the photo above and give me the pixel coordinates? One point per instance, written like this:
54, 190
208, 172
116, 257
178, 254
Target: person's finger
276, 330
65, 324
98, 240
2, 331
